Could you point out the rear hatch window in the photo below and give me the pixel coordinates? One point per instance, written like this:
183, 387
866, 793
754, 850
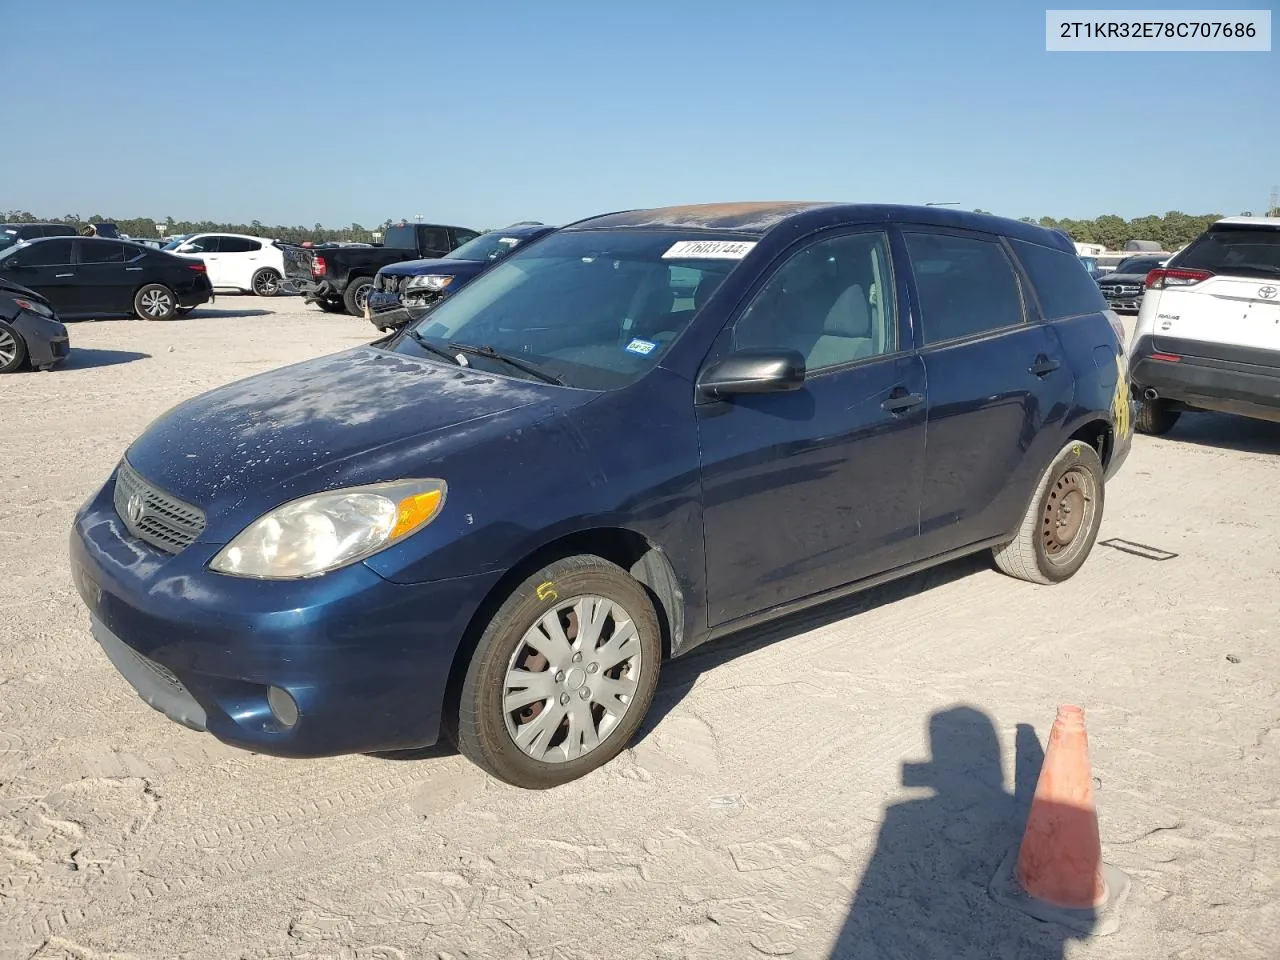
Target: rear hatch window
1238, 251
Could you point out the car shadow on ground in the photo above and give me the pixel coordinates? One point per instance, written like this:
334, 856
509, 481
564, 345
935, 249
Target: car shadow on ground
679, 675
925, 892
1227, 432
84, 358
210, 313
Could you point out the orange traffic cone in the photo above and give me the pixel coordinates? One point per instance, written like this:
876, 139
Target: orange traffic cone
1056, 874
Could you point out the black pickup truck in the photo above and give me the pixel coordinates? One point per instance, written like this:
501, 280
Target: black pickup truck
339, 278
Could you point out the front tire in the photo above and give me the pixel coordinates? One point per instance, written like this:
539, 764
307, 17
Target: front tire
357, 295
1155, 417
1061, 524
332, 306
155, 301
13, 349
563, 675
265, 282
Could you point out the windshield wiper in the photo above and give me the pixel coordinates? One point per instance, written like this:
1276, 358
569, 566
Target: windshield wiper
492, 354
427, 345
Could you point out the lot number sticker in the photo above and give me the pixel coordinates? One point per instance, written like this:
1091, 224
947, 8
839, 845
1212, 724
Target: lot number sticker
709, 250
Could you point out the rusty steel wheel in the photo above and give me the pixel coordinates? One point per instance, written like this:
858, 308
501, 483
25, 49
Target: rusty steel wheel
1061, 523
1068, 509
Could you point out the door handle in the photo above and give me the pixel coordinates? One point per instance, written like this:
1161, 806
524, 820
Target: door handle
900, 401
132, 269
59, 276
1043, 366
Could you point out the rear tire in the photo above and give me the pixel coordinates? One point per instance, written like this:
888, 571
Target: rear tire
155, 301
265, 282
357, 295
13, 349
1061, 523
586, 688
1155, 417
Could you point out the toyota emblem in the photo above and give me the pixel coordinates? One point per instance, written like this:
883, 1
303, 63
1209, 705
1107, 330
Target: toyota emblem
134, 507
1267, 293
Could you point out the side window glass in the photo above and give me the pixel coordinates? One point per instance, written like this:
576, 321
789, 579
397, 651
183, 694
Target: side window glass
202, 245
435, 238
101, 251
238, 245
832, 301
1061, 280
966, 285
46, 253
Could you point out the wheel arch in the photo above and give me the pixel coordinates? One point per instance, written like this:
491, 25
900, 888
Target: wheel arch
630, 550
1099, 433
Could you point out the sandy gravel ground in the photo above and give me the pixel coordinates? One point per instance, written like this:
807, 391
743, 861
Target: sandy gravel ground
781, 802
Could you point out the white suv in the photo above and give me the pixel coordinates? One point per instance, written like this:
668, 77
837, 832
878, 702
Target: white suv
1208, 333
236, 261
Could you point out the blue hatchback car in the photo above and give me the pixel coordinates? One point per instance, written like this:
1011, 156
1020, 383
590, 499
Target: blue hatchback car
643, 432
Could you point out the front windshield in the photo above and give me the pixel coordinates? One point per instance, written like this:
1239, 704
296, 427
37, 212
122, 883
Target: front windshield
596, 309
174, 244
489, 246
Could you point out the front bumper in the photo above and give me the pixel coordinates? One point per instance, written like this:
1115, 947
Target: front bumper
366, 661
1250, 389
1129, 303
47, 340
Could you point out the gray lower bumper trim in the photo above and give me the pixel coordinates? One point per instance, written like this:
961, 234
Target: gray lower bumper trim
154, 683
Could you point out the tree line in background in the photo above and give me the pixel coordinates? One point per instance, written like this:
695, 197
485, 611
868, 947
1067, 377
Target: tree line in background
1173, 230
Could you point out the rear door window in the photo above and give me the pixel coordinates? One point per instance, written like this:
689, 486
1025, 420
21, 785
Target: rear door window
1235, 251
238, 245
201, 245
966, 285
1061, 281
101, 251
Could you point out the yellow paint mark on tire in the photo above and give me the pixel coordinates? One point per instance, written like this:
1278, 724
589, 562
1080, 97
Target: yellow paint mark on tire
547, 591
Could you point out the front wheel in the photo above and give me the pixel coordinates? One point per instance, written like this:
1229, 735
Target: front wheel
357, 296
1062, 521
266, 282
13, 349
562, 676
155, 301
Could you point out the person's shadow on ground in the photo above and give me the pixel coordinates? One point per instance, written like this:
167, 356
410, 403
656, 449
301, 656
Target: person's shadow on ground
924, 894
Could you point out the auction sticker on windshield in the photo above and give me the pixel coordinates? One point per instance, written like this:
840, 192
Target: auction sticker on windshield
709, 250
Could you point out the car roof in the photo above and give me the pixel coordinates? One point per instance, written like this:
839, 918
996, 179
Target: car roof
522, 230
40, 223
756, 218
1250, 221
226, 233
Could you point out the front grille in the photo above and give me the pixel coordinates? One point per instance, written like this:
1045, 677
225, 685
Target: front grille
1121, 290
152, 515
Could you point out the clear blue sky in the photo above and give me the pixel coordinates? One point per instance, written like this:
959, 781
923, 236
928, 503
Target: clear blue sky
484, 113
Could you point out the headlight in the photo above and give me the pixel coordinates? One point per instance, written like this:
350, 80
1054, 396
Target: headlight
325, 531
432, 281
31, 307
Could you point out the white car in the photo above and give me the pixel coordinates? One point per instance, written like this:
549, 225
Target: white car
236, 261
1208, 332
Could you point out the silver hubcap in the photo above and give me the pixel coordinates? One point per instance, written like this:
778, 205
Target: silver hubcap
362, 296
8, 348
572, 679
156, 303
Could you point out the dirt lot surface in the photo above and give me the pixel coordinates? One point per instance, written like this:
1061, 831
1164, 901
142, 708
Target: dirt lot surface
840, 785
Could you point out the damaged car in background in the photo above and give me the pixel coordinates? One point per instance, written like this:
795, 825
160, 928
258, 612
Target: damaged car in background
30, 333
405, 291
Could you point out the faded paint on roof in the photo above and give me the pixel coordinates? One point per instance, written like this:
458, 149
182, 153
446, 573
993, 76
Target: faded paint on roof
753, 217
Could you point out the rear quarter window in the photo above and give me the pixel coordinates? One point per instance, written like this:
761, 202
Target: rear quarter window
1062, 283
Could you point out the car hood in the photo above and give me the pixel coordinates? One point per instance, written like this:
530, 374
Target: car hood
18, 290
316, 425
415, 268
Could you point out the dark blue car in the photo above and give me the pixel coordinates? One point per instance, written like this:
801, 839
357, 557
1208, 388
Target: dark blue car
641, 433
405, 291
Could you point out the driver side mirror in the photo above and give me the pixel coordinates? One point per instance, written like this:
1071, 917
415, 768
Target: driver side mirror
753, 371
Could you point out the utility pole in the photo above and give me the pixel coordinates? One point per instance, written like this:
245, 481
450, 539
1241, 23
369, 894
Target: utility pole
1273, 206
